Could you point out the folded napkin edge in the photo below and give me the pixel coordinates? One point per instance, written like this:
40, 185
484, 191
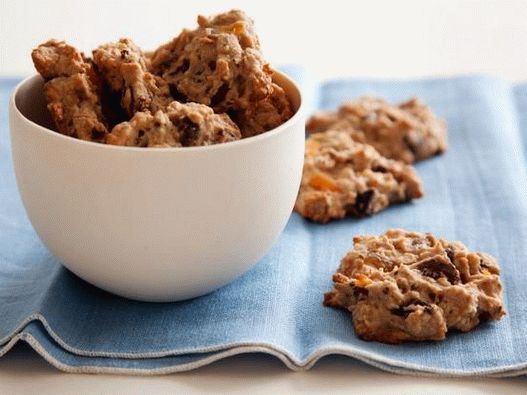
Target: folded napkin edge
228, 350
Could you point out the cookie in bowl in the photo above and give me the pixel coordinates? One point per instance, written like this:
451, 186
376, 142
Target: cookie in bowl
142, 192
215, 73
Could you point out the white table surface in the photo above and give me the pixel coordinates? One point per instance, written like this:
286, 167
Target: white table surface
382, 39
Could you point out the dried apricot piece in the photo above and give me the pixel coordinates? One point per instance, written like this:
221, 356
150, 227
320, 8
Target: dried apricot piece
323, 182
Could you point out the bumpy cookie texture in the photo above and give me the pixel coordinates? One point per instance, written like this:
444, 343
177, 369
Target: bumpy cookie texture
180, 125
219, 64
236, 22
408, 132
72, 90
342, 177
217, 70
265, 114
408, 286
124, 68
57, 59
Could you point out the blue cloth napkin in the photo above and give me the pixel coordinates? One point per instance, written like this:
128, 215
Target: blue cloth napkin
475, 193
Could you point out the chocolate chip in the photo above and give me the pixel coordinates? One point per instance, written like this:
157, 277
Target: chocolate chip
362, 202
436, 269
97, 134
189, 131
212, 65
359, 292
409, 307
400, 311
379, 169
219, 95
142, 104
484, 316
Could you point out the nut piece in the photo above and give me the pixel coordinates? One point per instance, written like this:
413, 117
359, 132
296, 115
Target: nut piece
408, 132
342, 177
409, 286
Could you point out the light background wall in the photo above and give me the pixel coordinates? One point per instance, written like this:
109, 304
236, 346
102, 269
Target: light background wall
332, 38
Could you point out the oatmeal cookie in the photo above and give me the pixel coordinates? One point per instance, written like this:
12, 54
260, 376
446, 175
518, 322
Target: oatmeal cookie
236, 22
189, 124
212, 68
408, 132
124, 68
408, 286
57, 59
343, 177
265, 114
72, 90
219, 64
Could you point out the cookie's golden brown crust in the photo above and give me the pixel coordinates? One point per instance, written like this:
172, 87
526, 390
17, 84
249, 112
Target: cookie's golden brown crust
408, 286
342, 177
265, 114
57, 59
408, 132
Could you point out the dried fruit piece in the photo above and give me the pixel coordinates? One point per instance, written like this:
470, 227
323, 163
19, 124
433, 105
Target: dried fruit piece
438, 267
341, 177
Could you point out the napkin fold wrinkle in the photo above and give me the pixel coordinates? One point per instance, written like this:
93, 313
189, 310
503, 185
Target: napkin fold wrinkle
475, 193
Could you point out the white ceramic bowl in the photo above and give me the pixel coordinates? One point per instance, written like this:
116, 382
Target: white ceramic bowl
155, 224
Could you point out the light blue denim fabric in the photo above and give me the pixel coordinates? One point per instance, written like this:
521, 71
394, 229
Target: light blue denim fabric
475, 193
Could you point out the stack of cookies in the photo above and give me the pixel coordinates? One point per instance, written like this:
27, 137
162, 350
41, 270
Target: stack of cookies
358, 158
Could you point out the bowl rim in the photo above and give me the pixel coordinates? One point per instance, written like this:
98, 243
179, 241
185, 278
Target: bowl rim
222, 146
